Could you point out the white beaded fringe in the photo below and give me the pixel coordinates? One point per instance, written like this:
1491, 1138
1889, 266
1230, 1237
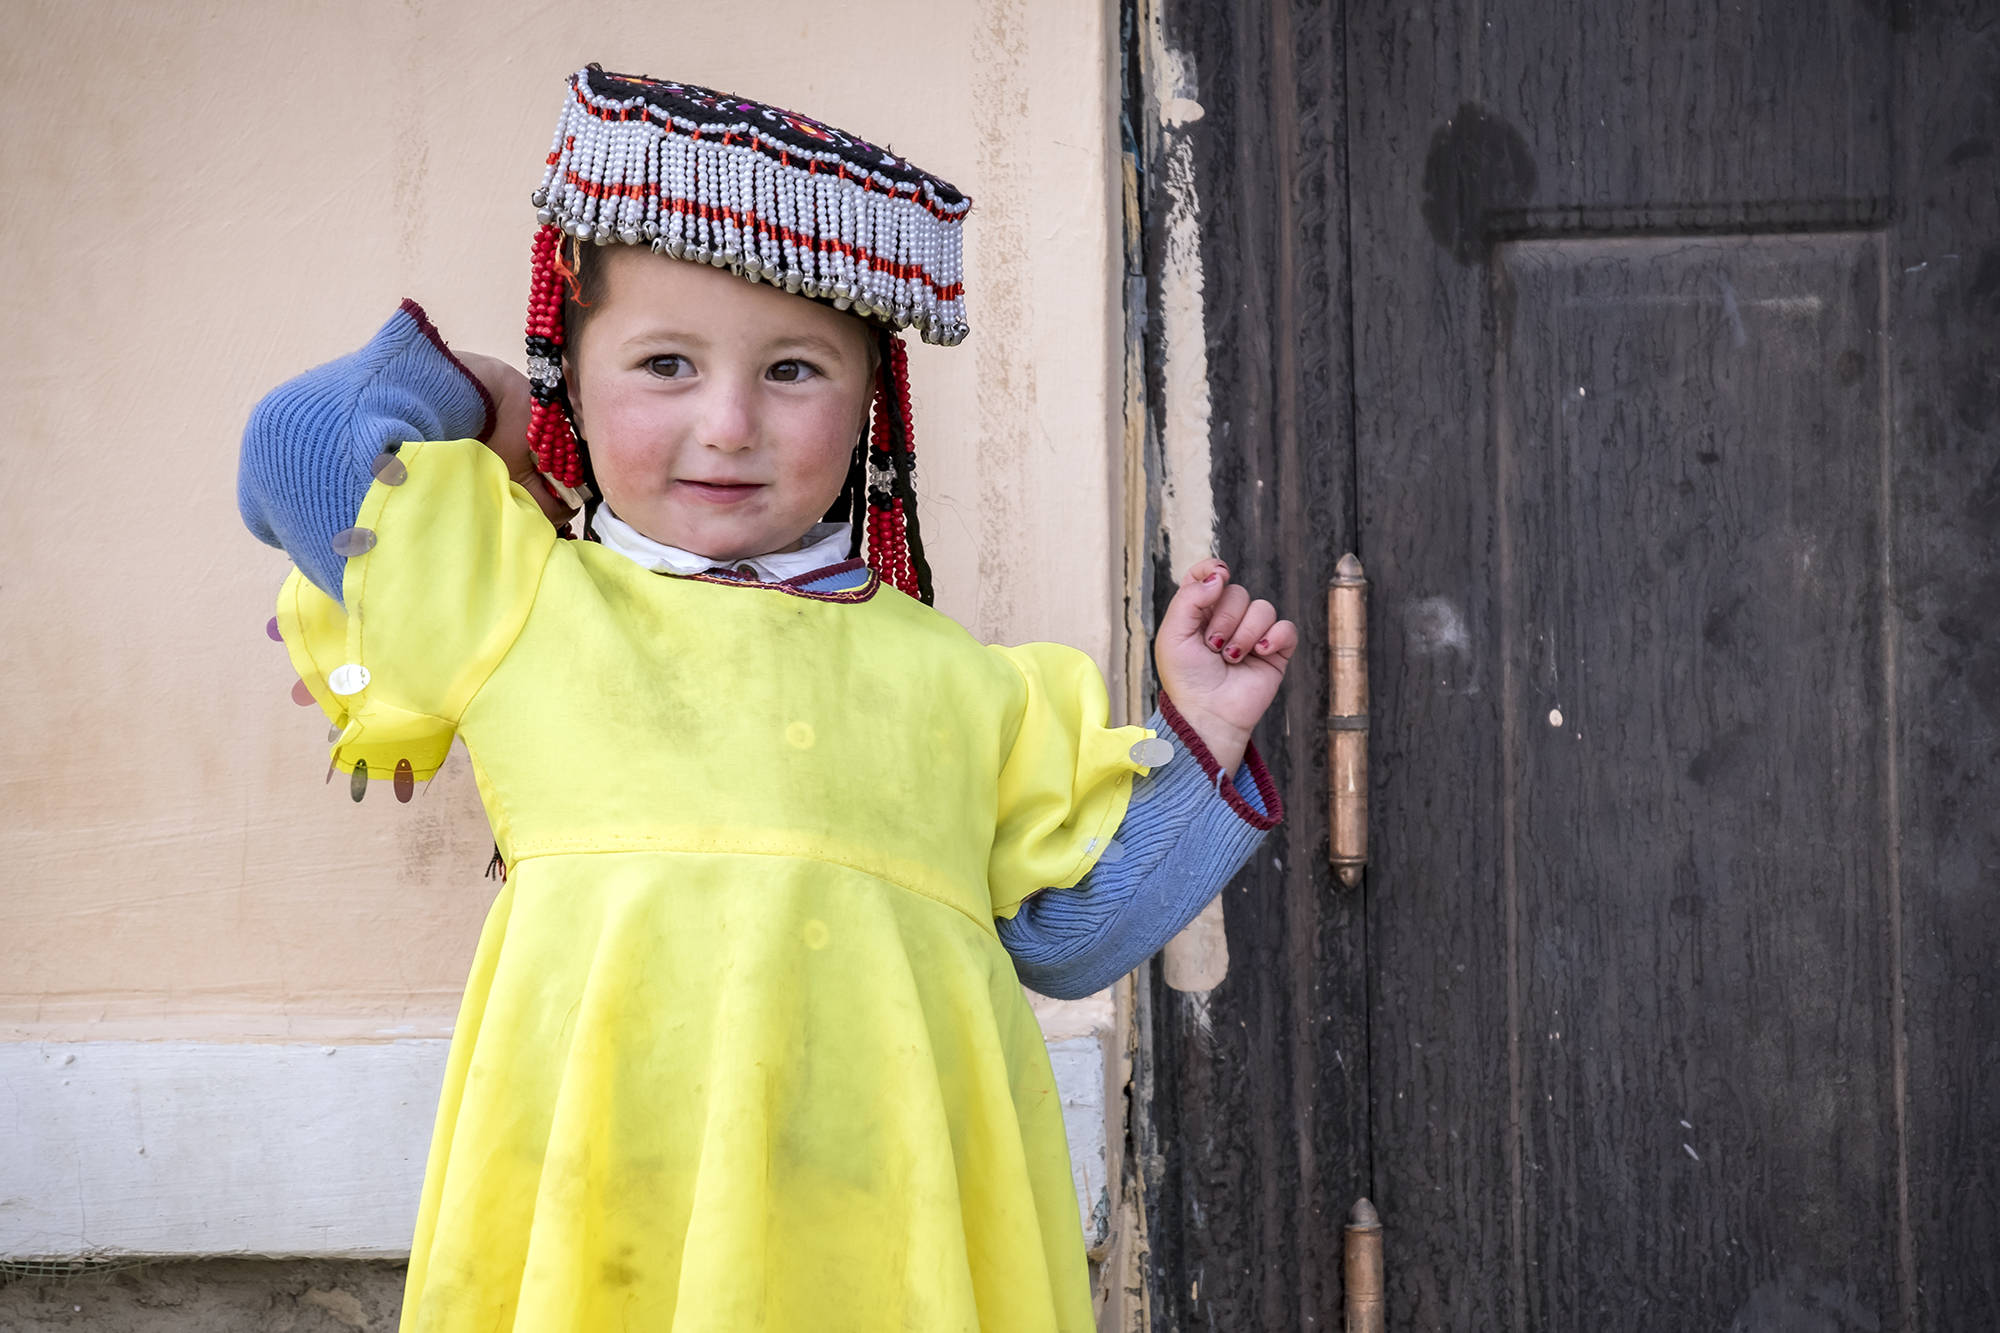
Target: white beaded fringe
886, 248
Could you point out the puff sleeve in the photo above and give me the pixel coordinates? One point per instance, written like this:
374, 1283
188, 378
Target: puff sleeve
427, 613
1066, 779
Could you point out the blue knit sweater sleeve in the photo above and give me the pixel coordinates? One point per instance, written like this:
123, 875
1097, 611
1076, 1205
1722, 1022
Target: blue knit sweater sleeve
1189, 830
308, 448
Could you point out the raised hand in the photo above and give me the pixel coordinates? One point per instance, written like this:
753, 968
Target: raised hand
1221, 656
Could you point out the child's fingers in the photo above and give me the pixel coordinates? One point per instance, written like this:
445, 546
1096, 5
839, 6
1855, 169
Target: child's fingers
1279, 643
1200, 590
1257, 620
1227, 615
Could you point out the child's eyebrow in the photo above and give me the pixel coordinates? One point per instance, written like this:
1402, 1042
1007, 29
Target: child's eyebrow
810, 342
693, 337
664, 333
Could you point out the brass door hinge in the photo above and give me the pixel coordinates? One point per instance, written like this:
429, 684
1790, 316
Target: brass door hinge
1347, 718
1362, 1270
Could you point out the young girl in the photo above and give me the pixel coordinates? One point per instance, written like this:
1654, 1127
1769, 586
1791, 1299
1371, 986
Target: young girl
744, 1043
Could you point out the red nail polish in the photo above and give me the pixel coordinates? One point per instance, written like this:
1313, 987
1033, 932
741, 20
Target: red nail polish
1216, 643
1263, 645
1233, 654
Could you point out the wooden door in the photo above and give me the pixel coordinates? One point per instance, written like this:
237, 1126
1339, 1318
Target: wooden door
1648, 353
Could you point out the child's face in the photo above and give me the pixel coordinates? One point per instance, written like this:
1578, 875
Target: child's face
721, 415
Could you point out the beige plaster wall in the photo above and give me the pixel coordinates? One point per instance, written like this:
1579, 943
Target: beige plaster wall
201, 200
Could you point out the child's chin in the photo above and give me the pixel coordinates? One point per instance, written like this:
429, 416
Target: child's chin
721, 543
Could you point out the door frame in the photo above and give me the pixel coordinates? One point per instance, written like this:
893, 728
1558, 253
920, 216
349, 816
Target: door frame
1236, 228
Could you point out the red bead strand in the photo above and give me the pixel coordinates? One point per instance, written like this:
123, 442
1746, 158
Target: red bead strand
888, 525
549, 432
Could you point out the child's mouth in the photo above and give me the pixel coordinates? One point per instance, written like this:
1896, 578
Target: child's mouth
720, 492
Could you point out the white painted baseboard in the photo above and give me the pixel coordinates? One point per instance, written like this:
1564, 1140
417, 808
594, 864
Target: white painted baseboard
191, 1148
185, 1148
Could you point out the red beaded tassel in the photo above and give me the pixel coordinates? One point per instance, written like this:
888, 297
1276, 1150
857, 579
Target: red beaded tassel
895, 552
550, 434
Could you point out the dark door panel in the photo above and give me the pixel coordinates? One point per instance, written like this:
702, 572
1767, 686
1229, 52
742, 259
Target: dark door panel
1667, 337
1690, 452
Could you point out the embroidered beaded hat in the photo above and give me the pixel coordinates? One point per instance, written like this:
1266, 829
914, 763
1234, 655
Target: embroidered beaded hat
773, 197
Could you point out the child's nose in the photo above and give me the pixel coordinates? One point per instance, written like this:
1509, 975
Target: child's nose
729, 420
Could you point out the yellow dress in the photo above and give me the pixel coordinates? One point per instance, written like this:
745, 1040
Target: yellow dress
741, 1048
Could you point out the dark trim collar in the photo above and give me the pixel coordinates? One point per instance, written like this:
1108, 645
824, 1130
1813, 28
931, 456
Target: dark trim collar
797, 585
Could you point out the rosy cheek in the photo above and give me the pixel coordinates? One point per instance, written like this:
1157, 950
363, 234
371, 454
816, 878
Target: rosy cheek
626, 431
825, 465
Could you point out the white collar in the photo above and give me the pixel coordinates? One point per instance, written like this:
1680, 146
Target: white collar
825, 544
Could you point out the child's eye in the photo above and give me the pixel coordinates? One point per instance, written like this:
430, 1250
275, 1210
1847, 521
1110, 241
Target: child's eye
791, 372
668, 367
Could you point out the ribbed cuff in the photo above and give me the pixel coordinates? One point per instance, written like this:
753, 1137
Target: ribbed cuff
491, 414
1273, 811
